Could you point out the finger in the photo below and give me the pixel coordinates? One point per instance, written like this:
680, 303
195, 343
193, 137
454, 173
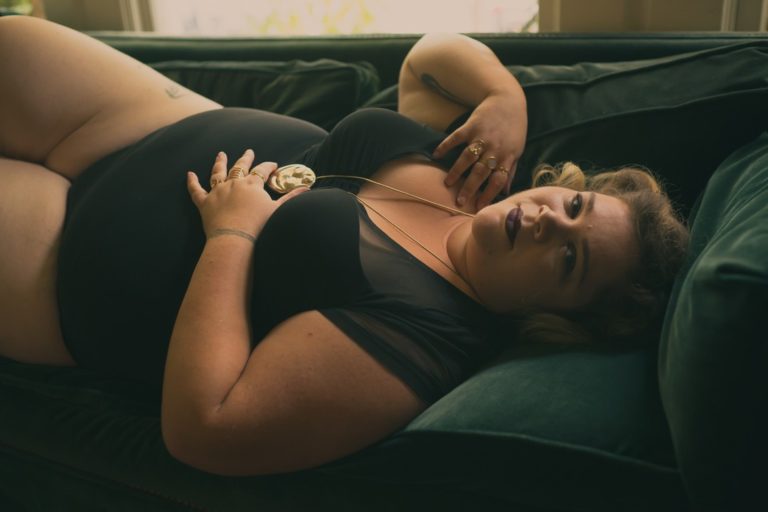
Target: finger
512, 172
196, 191
219, 170
262, 171
495, 184
479, 174
243, 163
471, 154
290, 195
451, 141
460, 166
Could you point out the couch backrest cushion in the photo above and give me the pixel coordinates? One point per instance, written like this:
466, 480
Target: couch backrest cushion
680, 116
321, 91
714, 351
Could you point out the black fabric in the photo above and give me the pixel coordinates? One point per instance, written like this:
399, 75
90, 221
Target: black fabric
132, 239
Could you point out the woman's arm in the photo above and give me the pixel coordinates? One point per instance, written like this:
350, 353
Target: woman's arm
306, 394
210, 343
443, 76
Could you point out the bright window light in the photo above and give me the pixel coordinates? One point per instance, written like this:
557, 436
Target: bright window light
324, 17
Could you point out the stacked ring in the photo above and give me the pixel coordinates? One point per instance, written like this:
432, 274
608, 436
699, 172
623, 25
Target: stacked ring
476, 147
236, 173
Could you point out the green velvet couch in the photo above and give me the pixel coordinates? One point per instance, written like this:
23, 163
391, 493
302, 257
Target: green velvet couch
679, 425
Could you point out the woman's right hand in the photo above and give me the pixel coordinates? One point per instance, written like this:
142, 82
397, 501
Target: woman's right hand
495, 138
237, 201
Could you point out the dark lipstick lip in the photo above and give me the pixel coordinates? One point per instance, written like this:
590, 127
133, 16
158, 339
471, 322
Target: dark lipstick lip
512, 223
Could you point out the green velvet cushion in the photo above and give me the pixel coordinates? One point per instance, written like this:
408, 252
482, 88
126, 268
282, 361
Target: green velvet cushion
543, 427
680, 116
321, 91
714, 357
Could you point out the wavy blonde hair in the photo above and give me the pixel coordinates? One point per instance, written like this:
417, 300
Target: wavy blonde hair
633, 314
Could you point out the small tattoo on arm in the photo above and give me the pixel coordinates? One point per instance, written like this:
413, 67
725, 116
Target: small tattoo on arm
433, 84
175, 92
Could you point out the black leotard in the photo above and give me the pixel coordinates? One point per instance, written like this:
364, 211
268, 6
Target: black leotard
132, 238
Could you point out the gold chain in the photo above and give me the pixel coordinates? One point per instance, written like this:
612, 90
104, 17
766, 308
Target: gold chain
412, 196
393, 224
411, 238
308, 178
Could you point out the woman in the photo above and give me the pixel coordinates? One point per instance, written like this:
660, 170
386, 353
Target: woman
287, 332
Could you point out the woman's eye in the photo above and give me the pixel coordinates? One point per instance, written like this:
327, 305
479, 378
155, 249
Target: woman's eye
576, 204
570, 258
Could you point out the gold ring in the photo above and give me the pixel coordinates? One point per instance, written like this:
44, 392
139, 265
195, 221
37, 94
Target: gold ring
490, 162
257, 174
215, 182
503, 170
236, 173
476, 147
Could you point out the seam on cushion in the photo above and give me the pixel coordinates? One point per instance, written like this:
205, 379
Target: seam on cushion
669, 61
644, 110
576, 448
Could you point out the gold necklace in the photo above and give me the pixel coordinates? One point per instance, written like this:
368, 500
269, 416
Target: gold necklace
410, 237
288, 177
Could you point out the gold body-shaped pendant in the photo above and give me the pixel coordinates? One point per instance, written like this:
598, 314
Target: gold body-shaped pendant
288, 177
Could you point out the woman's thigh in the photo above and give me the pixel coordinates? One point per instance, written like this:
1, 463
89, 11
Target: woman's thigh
32, 205
68, 100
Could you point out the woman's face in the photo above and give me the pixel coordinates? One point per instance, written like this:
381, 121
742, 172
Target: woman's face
550, 248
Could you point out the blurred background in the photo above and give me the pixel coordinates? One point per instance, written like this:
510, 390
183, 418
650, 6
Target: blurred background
285, 18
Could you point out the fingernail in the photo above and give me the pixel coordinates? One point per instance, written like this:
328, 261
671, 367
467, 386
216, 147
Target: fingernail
220, 154
461, 200
247, 151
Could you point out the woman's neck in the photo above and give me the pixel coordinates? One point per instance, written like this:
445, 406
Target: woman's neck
455, 241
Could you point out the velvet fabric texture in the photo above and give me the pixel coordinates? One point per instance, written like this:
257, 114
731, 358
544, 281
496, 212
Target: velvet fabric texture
679, 116
541, 428
321, 91
714, 358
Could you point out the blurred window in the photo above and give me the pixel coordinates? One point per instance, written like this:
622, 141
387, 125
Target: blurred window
326, 17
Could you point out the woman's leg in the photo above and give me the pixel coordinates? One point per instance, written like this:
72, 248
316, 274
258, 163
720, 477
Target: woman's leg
32, 204
67, 100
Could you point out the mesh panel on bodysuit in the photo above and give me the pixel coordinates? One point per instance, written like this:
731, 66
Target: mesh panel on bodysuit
412, 317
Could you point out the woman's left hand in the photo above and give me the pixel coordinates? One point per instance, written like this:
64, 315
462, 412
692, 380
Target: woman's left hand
495, 137
237, 201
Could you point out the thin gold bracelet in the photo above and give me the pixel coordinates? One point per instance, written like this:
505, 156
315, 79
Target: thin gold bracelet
236, 232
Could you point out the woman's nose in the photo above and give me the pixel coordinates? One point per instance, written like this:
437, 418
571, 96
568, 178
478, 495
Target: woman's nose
548, 223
